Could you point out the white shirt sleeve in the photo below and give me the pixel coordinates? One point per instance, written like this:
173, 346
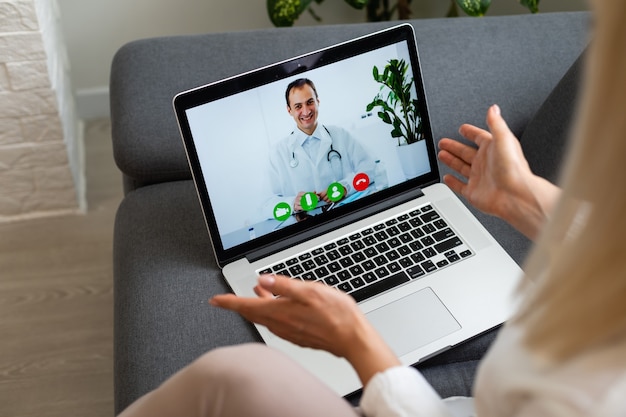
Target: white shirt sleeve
401, 392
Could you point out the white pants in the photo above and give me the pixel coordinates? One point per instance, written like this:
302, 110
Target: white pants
248, 380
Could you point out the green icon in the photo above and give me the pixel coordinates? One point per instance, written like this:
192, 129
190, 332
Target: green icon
308, 201
282, 211
335, 192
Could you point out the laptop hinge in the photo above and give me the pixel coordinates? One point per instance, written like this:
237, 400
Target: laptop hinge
334, 224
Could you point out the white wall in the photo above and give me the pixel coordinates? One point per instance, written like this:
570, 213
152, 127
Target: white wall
95, 29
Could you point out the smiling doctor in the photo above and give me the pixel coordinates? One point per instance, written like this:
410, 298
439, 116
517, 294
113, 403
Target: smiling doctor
314, 155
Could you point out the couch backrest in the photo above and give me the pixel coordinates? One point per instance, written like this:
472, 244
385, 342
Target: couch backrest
468, 64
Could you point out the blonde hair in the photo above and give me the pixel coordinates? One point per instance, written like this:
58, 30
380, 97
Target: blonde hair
577, 298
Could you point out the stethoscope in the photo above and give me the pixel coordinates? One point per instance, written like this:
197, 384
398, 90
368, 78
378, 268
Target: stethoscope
331, 154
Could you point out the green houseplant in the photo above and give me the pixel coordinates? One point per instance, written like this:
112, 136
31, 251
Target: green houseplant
397, 107
286, 12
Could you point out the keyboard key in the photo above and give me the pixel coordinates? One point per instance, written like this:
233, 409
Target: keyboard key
442, 263
381, 272
446, 245
394, 267
440, 224
346, 262
393, 231
343, 275
415, 272
356, 270
381, 236
369, 277
404, 226
405, 262
415, 246
370, 240
330, 246
380, 260
418, 257
406, 238
443, 234
394, 242
368, 265
370, 252
429, 216
295, 270
358, 257
404, 250
309, 264
334, 267
322, 272
392, 255
331, 280
345, 287
465, 253
429, 266
382, 247
317, 251
429, 229
333, 255
380, 286
357, 245
345, 250
357, 282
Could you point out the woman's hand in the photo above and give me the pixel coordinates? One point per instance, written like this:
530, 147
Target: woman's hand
316, 316
496, 177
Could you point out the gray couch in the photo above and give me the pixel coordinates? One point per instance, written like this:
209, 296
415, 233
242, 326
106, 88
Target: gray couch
163, 264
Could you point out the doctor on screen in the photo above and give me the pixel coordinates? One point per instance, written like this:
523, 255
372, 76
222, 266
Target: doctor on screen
311, 162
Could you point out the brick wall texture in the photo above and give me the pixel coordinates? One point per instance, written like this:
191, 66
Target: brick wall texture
36, 176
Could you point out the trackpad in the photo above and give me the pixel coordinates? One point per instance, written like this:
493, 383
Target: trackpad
413, 321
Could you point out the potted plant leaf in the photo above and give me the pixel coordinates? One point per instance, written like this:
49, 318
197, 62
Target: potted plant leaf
286, 12
399, 108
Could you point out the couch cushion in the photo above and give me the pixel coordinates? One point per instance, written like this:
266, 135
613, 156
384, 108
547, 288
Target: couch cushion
545, 139
164, 273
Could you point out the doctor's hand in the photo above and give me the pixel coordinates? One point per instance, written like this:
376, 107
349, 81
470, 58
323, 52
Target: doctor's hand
297, 206
316, 316
495, 176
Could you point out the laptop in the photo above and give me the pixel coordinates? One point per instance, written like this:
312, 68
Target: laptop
354, 208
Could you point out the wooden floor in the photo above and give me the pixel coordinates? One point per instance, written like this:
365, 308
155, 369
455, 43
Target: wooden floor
56, 301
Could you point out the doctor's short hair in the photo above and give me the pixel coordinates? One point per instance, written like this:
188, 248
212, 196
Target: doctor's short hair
299, 83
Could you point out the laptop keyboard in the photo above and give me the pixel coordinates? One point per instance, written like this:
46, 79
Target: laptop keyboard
380, 257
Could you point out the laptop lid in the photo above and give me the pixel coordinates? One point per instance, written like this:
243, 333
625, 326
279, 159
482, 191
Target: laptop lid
247, 151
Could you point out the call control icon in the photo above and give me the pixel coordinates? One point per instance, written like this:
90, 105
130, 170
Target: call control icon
361, 181
335, 192
282, 211
309, 201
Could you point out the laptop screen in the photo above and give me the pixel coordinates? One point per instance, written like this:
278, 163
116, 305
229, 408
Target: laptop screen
288, 147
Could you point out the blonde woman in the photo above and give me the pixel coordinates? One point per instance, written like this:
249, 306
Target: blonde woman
563, 354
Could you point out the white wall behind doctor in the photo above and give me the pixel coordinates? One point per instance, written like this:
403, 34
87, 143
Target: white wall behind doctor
95, 29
